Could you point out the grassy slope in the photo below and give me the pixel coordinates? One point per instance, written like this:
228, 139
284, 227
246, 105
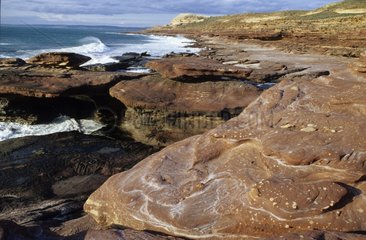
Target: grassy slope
277, 20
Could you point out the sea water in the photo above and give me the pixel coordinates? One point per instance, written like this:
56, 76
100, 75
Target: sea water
100, 43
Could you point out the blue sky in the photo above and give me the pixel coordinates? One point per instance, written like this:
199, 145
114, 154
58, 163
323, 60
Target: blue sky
135, 12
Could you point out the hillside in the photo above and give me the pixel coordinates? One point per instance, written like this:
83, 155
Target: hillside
342, 26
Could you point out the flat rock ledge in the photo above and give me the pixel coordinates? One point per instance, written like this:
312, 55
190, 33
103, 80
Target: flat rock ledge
161, 111
292, 162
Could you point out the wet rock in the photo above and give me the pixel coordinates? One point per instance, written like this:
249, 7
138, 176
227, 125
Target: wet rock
107, 67
251, 178
196, 69
162, 111
59, 60
11, 62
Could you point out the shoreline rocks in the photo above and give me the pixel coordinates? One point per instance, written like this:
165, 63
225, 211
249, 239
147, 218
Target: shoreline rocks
59, 60
250, 177
161, 111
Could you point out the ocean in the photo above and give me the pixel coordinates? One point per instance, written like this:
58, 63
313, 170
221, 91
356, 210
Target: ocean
98, 42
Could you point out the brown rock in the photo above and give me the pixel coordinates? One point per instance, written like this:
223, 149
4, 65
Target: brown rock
196, 69
40, 82
11, 62
161, 111
127, 234
59, 60
252, 178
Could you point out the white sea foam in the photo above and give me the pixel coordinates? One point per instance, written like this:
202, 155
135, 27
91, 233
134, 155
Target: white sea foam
5, 44
156, 46
61, 124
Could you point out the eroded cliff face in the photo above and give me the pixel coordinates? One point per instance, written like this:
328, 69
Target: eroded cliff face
293, 161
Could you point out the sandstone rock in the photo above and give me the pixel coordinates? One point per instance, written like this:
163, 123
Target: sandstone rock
59, 60
360, 65
161, 111
251, 178
11, 62
127, 234
196, 69
40, 82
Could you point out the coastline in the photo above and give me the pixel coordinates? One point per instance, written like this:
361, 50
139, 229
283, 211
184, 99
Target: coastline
249, 119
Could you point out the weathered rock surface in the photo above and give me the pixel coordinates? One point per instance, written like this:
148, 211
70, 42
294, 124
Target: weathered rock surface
196, 69
260, 174
11, 62
125, 61
162, 111
59, 60
360, 65
47, 178
43, 82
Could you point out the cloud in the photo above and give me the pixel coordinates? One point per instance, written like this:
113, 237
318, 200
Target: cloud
94, 11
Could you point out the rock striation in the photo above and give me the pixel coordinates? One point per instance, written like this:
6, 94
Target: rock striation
46, 179
59, 60
196, 69
161, 111
293, 161
360, 65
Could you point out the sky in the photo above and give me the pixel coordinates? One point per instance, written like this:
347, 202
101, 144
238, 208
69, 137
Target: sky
137, 13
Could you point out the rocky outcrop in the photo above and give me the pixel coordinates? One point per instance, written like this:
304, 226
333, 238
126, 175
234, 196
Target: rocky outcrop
161, 111
46, 179
293, 161
127, 60
197, 69
187, 18
11, 62
41, 82
59, 60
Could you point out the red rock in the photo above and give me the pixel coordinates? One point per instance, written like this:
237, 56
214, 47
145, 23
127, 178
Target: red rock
196, 69
253, 177
59, 59
40, 82
162, 111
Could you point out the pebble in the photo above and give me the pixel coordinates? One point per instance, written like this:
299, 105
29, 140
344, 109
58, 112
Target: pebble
309, 129
287, 126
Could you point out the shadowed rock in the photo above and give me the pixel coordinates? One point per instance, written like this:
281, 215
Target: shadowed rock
293, 161
161, 111
47, 178
11, 62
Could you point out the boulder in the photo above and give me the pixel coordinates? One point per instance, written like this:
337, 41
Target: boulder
11, 62
258, 175
59, 60
196, 69
161, 111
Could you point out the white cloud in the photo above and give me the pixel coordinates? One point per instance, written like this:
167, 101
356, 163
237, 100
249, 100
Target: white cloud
148, 12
